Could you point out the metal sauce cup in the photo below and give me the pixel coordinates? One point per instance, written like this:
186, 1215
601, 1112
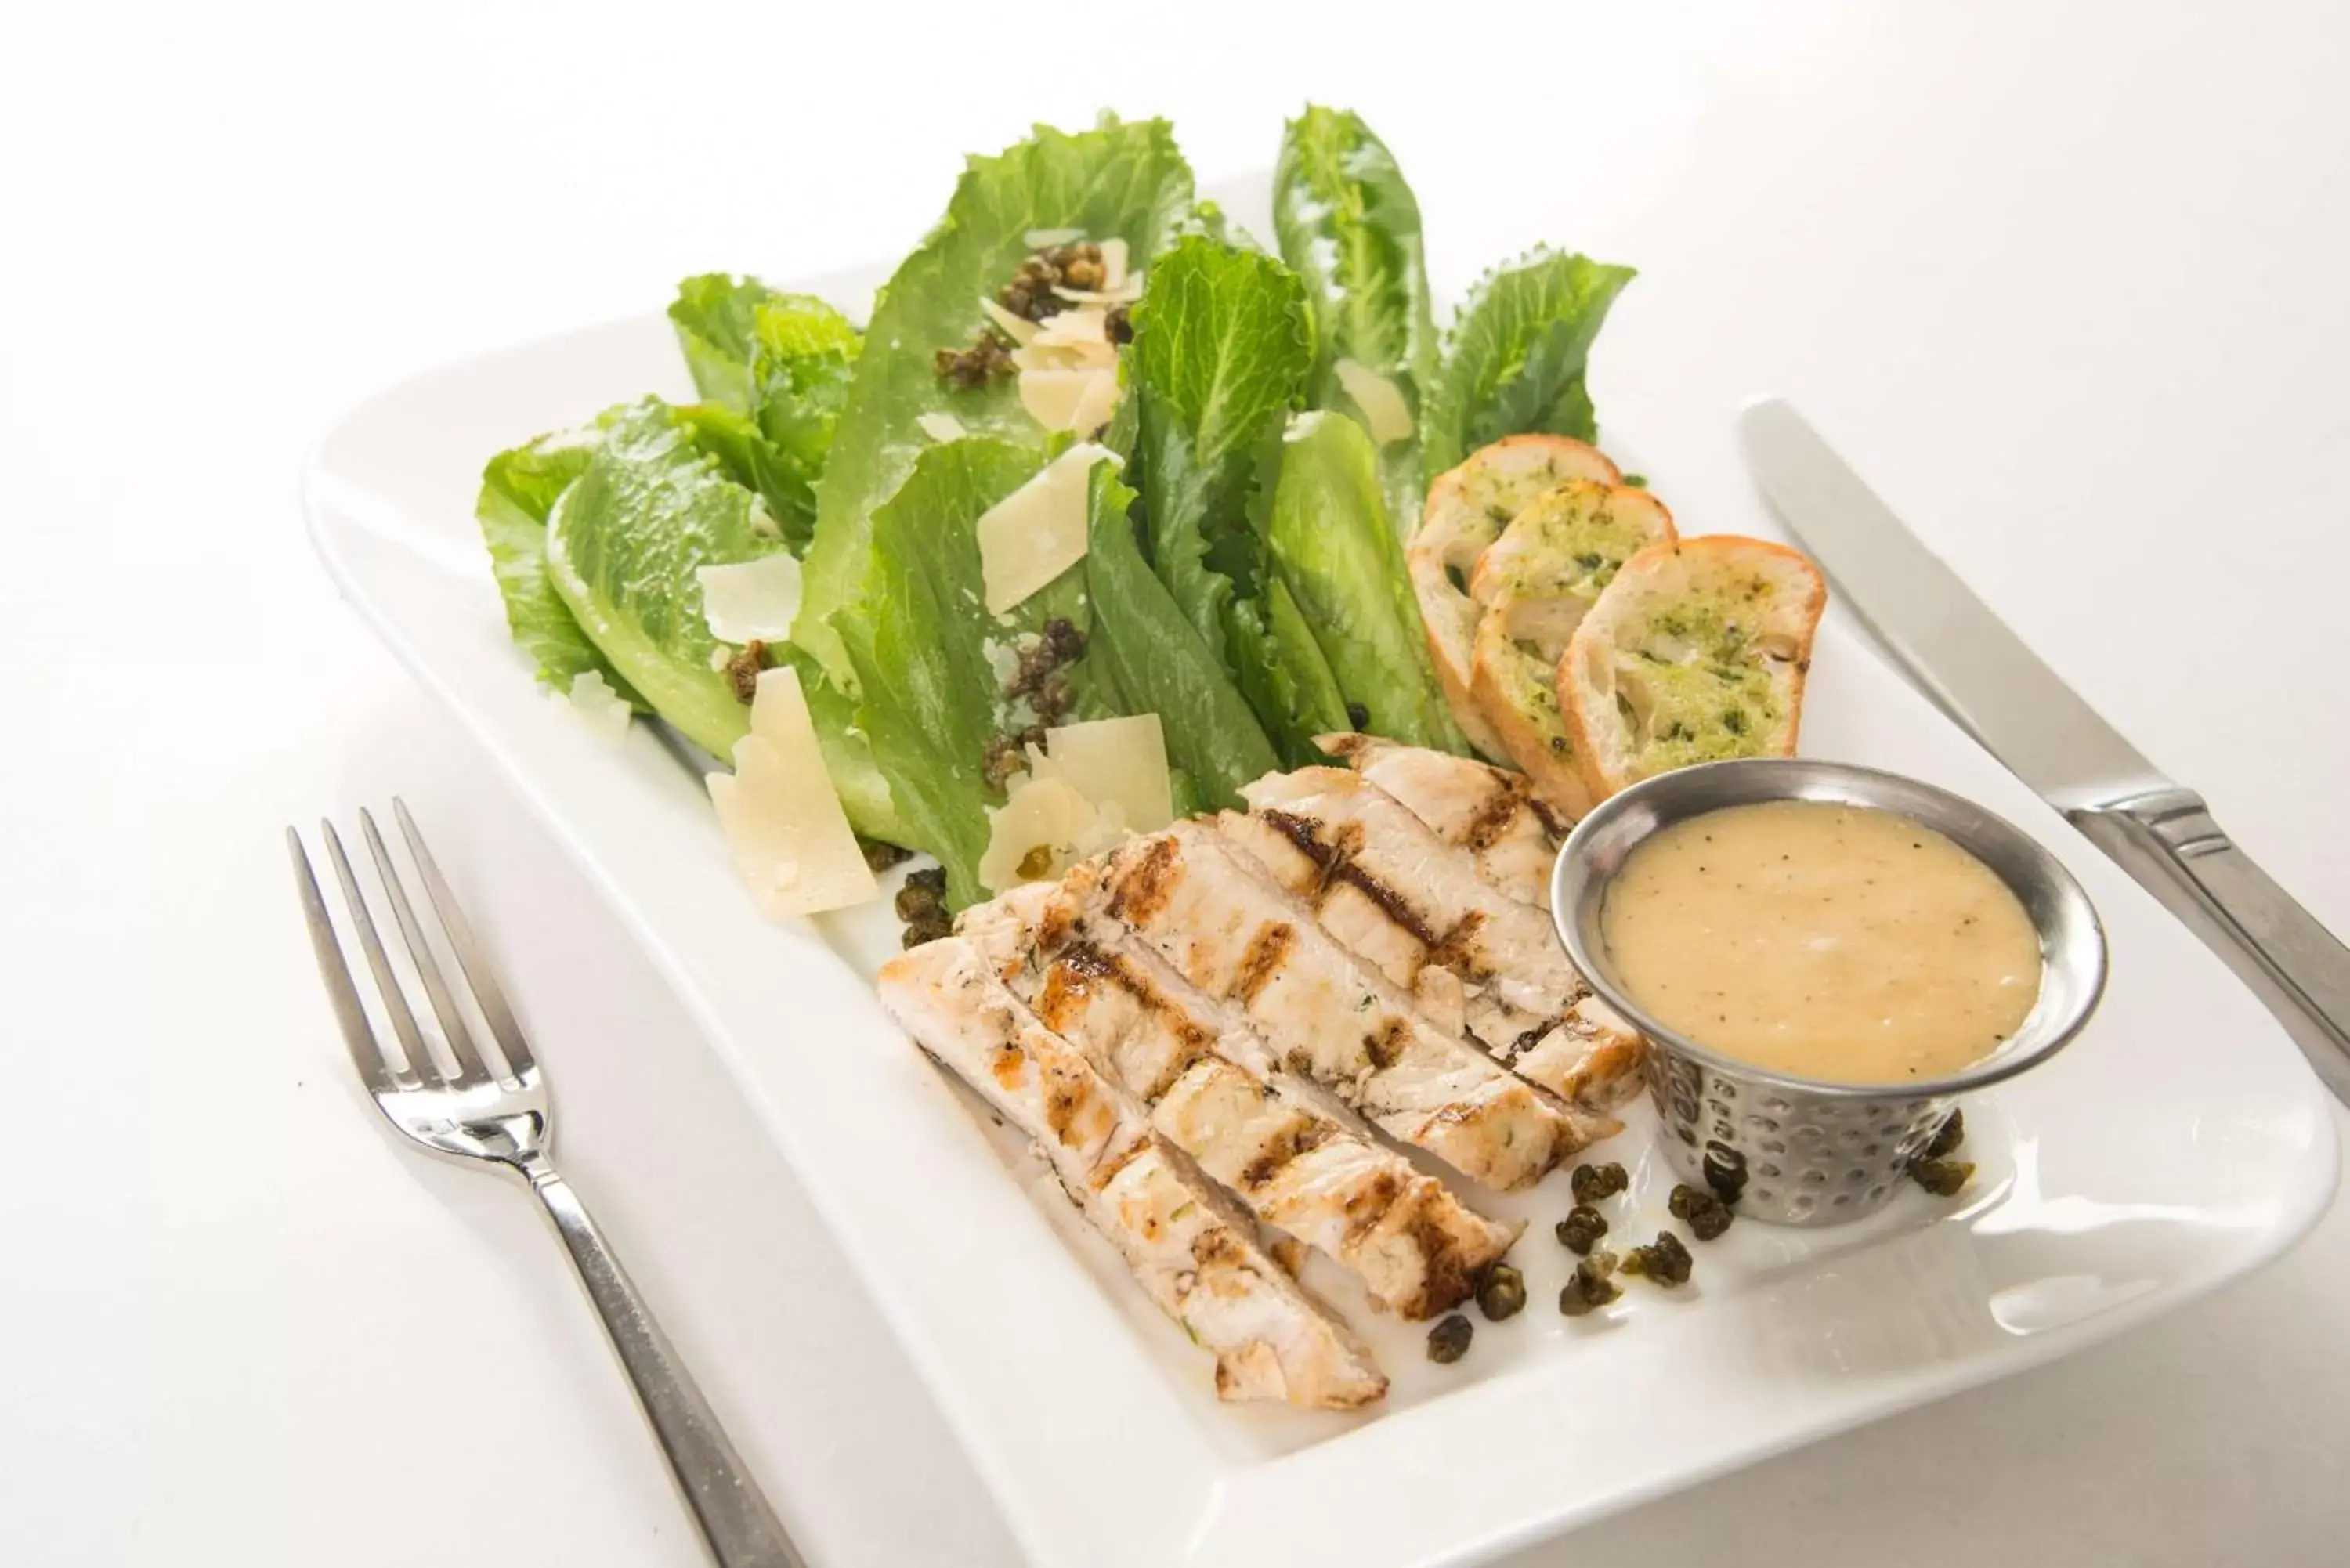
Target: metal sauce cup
1804, 1151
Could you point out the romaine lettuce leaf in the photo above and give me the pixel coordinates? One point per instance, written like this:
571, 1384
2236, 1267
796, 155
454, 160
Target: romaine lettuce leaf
930, 698
519, 488
1120, 179
1220, 357
1514, 361
778, 363
1336, 550
1152, 659
622, 544
1349, 226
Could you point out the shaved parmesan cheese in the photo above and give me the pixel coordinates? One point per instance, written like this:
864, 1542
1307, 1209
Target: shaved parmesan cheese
942, 426
791, 840
1118, 762
1019, 328
1385, 413
1113, 265
1033, 833
1053, 398
1100, 401
593, 698
1037, 532
1087, 324
751, 599
1046, 239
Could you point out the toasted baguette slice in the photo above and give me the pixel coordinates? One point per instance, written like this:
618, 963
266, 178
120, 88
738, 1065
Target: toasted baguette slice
1696, 652
1535, 583
1467, 510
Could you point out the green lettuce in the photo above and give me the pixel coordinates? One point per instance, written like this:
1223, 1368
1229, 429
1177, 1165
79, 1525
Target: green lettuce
1349, 226
623, 541
780, 364
1336, 551
930, 698
519, 489
1152, 659
1118, 180
1220, 357
1514, 361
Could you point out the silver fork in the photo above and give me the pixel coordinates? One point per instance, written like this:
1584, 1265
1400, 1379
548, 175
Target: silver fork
497, 1112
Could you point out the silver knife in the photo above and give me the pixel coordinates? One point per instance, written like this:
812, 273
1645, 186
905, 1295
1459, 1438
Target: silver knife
1957, 651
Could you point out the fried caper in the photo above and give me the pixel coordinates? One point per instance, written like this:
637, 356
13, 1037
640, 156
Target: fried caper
880, 856
1590, 1286
1502, 1292
1582, 1229
1664, 1260
1947, 1137
1590, 1183
1942, 1177
1449, 1341
1705, 1215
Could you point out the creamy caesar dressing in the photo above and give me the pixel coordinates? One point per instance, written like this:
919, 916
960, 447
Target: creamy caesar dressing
1825, 941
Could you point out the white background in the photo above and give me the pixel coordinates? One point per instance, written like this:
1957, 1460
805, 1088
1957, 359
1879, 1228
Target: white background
2067, 283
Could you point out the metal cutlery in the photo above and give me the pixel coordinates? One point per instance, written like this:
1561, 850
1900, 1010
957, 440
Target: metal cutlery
1959, 654
491, 1107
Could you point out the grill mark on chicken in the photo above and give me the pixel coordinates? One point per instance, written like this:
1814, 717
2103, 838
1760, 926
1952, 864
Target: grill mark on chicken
1143, 892
1331, 852
1303, 1136
1261, 963
1497, 813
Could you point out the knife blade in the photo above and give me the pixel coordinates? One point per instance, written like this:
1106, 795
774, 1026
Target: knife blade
1951, 647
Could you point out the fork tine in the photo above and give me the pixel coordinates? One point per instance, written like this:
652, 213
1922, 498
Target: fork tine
469, 1070
366, 1054
420, 1064
470, 958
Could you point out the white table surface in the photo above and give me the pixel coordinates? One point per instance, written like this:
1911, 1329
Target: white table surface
2069, 288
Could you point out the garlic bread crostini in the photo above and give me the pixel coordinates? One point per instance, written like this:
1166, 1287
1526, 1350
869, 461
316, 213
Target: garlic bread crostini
1696, 652
1467, 509
1534, 583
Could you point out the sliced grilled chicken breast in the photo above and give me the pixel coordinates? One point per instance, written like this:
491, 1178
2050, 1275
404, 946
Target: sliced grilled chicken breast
1416, 1248
1491, 812
1196, 1258
1328, 1016
1385, 884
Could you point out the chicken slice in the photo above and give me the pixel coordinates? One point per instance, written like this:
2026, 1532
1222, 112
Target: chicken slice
1386, 886
1199, 1261
1201, 1071
1491, 812
1328, 1017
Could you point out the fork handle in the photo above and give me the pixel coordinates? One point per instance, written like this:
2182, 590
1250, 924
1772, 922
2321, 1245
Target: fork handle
732, 1514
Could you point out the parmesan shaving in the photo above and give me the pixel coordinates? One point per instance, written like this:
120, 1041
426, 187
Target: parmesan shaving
1385, 413
1046, 239
1037, 532
593, 698
1087, 324
751, 599
942, 426
791, 840
1119, 763
1105, 297
1097, 404
1019, 328
1114, 267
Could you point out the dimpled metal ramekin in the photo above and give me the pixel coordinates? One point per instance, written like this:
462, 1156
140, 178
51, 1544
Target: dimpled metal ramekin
1802, 1151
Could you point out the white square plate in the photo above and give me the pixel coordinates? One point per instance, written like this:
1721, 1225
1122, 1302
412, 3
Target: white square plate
2180, 1143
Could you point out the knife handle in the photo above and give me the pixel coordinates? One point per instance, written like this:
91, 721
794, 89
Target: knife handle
2300, 970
